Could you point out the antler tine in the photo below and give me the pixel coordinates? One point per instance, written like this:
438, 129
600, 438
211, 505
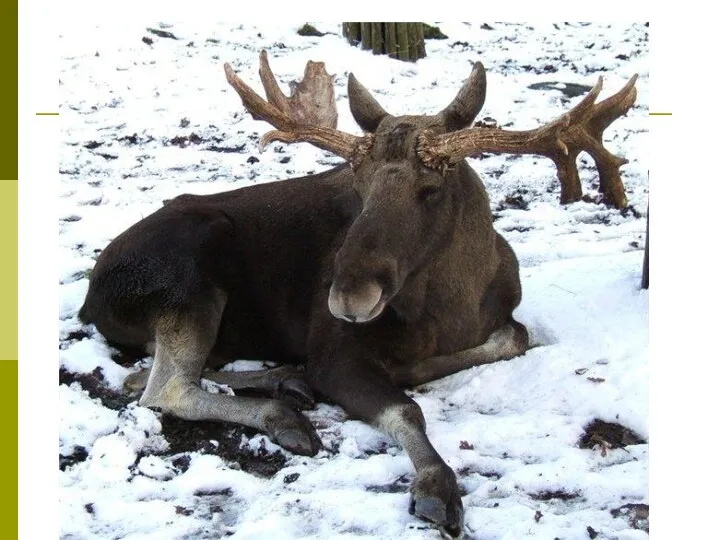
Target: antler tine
350, 147
561, 140
622, 101
582, 109
258, 108
275, 96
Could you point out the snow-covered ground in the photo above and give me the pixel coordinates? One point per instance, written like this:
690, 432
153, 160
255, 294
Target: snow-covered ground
144, 122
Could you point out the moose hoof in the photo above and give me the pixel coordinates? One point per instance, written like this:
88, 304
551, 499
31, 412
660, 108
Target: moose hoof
296, 434
435, 498
296, 393
290, 386
135, 382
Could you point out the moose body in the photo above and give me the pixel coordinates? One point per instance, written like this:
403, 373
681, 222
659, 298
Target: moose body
376, 275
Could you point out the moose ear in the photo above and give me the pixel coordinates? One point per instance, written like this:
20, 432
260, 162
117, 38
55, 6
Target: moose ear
365, 109
468, 102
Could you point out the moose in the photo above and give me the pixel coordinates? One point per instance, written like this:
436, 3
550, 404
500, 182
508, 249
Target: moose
380, 274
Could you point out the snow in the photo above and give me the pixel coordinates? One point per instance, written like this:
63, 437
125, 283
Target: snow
509, 430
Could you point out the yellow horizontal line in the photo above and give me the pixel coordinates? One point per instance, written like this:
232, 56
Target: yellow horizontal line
47, 114
660, 114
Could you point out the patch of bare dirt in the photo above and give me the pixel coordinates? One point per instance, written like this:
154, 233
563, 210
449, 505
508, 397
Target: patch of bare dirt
608, 435
221, 440
548, 495
637, 515
94, 383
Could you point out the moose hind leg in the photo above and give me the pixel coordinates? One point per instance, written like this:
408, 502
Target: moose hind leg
366, 393
285, 382
504, 343
183, 343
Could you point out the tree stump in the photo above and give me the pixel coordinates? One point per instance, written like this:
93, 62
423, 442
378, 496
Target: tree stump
404, 41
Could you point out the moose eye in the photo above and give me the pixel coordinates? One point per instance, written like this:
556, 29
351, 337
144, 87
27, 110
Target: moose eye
430, 194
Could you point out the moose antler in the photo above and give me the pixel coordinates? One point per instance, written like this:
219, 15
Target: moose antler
562, 140
295, 124
312, 100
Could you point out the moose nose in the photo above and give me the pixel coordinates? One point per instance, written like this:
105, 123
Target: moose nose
356, 306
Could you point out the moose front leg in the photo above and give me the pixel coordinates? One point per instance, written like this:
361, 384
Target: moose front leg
365, 392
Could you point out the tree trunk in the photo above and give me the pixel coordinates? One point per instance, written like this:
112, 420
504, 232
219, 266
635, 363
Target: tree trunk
391, 44
378, 47
404, 41
366, 35
420, 33
351, 31
402, 38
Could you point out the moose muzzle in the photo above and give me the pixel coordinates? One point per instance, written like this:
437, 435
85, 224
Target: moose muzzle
362, 304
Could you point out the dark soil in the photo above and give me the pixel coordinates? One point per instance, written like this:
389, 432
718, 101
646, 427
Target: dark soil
134, 139
637, 515
608, 434
182, 141
79, 454
558, 494
516, 200
77, 335
162, 33
290, 478
226, 149
221, 440
94, 384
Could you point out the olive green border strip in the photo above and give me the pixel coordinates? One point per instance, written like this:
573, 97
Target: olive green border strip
9, 270
9, 89
8, 357
9, 447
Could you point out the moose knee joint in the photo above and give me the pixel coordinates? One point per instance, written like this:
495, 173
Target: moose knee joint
398, 418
